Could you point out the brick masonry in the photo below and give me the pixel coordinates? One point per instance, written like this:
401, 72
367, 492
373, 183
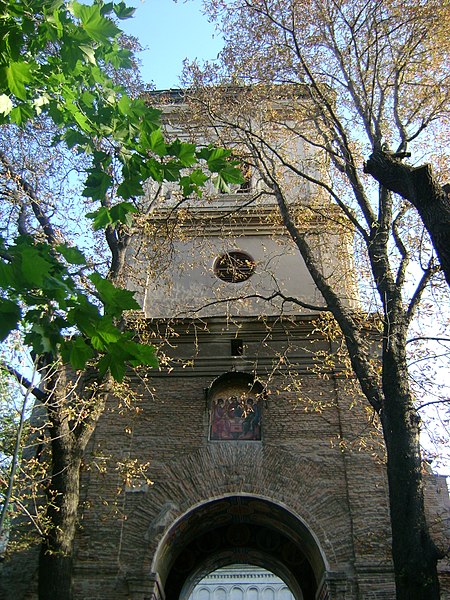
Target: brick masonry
314, 488
320, 460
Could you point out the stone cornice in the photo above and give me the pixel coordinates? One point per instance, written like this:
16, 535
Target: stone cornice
232, 214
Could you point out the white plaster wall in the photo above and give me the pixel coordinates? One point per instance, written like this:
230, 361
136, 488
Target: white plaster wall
241, 582
189, 286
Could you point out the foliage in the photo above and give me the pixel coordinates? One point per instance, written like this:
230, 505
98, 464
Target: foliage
65, 118
53, 63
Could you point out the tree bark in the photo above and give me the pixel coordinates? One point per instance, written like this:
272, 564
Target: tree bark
56, 555
414, 553
418, 186
68, 442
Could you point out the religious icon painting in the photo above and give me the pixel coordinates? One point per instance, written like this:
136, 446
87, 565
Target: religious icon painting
235, 414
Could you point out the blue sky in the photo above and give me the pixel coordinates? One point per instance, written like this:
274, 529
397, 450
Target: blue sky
170, 32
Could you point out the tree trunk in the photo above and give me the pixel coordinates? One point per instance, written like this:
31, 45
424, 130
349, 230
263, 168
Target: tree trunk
414, 554
418, 186
55, 560
68, 442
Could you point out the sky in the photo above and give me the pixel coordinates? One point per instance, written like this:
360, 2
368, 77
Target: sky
170, 32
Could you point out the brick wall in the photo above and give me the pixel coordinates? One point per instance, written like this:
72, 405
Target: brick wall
318, 457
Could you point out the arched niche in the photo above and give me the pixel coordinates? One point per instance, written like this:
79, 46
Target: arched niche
235, 402
239, 529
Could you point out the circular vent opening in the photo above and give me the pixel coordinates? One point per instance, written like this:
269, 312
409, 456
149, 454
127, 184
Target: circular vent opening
234, 267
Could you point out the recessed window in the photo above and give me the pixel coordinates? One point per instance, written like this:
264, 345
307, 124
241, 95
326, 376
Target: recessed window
234, 267
246, 186
237, 347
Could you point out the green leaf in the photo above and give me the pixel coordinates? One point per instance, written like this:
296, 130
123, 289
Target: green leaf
75, 138
211, 153
104, 364
82, 120
220, 184
151, 117
101, 218
44, 336
72, 254
143, 354
123, 352
10, 314
106, 7
198, 177
105, 333
154, 169
119, 58
88, 99
79, 352
115, 366
89, 53
7, 278
116, 300
187, 186
122, 213
18, 75
217, 159
171, 171
184, 152
97, 184
231, 174
61, 289
55, 27
34, 267
84, 316
99, 28
103, 158
130, 187
118, 369
119, 213
21, 114
123, 11
124, 104
157, 143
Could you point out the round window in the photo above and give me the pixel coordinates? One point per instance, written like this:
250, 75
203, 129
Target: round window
234, 267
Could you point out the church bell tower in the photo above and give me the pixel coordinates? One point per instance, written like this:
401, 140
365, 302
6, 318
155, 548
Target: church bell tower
258, 447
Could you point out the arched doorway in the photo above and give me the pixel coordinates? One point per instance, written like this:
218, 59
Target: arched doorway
239, 529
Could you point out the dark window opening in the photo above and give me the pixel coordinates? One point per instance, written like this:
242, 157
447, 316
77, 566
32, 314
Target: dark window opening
245, 187
237, 347
234, 267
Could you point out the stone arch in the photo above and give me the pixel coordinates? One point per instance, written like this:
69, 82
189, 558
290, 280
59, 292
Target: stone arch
242, 378
268, 593
220, 594
237, 593
203, 594
218, 471
239, 529
252, 593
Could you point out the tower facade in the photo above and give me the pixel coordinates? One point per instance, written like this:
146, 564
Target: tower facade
258, 448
